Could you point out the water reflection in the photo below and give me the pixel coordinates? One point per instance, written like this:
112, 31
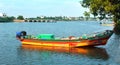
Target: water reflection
90, 52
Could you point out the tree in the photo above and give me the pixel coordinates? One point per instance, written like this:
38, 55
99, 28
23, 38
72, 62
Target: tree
12, 17
103, 8
20, 17
87, 15
6, 19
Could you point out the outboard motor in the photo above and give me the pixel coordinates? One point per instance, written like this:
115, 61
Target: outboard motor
21, 35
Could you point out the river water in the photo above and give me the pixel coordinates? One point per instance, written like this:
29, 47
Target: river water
13, 53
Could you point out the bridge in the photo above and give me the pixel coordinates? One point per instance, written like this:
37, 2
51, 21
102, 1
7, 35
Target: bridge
39, 20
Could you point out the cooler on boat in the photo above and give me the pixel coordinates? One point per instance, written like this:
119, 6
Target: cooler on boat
45, 36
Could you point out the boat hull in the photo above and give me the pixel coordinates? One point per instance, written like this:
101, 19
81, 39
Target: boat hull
65, 43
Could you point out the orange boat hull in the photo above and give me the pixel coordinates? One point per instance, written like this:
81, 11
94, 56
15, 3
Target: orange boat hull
65, 43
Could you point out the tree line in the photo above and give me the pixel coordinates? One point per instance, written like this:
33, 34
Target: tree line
10, 18
6, 19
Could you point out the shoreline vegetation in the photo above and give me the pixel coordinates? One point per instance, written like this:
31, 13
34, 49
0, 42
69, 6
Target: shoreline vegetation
46, 19
6, 19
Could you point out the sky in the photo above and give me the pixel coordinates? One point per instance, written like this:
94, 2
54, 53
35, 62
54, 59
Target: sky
34, 8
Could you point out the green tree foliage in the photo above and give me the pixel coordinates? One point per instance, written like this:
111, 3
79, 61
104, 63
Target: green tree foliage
20, 17
7, 19
12, 17
103, 8
87, 15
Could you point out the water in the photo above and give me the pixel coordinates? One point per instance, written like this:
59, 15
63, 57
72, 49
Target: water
13, 53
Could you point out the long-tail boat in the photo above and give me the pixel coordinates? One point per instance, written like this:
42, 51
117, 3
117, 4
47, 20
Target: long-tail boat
96, 39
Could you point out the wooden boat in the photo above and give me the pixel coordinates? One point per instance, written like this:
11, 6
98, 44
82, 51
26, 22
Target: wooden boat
95, 39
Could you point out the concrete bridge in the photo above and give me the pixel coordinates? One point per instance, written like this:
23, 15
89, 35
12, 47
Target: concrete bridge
28, 20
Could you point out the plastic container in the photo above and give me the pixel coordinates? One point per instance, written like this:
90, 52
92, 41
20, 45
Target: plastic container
45, 36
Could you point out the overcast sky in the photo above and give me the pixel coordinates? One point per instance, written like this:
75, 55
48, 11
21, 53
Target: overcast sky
33, 8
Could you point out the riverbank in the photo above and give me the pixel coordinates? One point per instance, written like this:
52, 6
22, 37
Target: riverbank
109, 24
